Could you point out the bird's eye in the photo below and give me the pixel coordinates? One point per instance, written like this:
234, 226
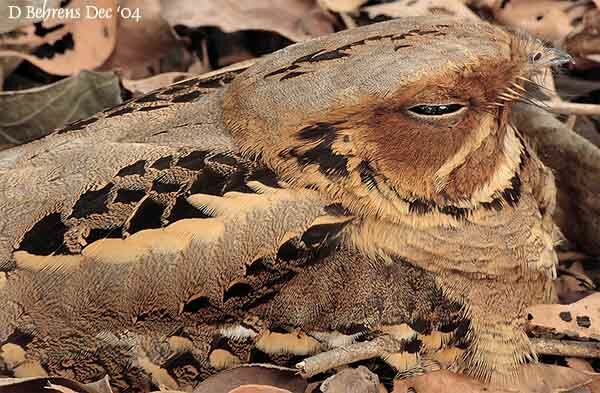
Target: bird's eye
536, 56
436, 110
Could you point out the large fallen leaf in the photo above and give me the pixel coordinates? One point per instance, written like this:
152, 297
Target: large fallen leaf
258, 389
281, 16
16, 13
579, 319
32, 113
549, 19
68, 45
584, 42
270, 376
352, 380
52, 385
532, 378
141, 43
404, 8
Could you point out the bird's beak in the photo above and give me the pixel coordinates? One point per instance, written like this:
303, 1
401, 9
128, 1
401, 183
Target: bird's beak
560, 58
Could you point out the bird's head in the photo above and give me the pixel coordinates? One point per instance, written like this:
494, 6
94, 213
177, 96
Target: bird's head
398, 117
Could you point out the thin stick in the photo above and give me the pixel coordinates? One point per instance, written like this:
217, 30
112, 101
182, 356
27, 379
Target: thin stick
572, 256
570, 348
572, 108
345, 355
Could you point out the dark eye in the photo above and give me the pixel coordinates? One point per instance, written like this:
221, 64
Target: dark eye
536, 56
435, 110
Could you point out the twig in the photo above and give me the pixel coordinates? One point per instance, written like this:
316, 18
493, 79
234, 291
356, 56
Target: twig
572, 108
579, 349
572, 256
346, 355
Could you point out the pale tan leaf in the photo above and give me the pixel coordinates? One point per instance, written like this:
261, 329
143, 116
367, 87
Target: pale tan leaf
404, 8
549, 19
341, 5
352, 380
580, 364
579, 319
532, 378
271, 376
281, 16
439, 381
32, 113
17, 13
258, 389
88, 41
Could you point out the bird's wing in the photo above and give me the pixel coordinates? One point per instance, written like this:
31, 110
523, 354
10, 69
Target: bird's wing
125, 227
127, 306
96, 177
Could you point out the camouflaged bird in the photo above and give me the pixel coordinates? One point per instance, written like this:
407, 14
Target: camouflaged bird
362, 185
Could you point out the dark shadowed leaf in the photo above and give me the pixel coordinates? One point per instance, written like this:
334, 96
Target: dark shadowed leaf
33, 113
271, 376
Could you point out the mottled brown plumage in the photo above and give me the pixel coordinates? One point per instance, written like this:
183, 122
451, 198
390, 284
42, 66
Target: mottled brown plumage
159, 236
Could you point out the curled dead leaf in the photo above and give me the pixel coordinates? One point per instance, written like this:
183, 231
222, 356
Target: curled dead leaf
352, 380
258, 389
579, 319
531, 378
404, 8
284, 379
70, 43
282, 16
549, 19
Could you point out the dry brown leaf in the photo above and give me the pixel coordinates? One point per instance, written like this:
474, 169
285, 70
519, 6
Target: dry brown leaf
579, 319
584, 42
341, 5
88, 41
270, 376
282, 16
352, 380
569, 289
533, 378
141, 44
440, 381
403, 8
549, 19
258, 389
167, 391
580, 364
573, 283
